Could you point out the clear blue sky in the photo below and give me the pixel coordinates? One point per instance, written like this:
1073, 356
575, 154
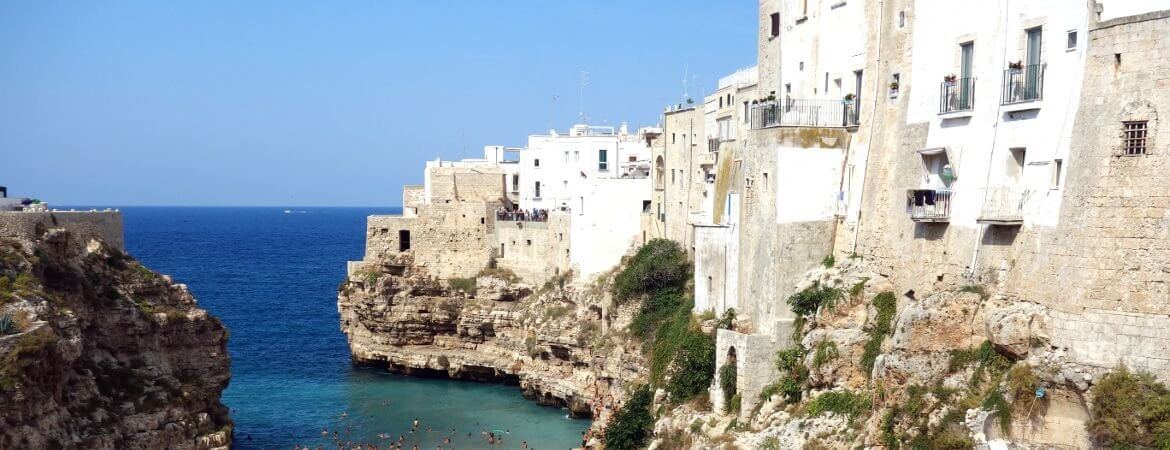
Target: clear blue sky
324, 103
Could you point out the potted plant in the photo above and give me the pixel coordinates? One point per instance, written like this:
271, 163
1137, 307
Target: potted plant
849, 97
894, 86
949, 79
771, 97
690, 101
1016, 66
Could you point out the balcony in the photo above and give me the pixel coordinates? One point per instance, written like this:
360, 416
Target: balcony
1004, 205
929, 205
956, 96
803, 113
1023, 85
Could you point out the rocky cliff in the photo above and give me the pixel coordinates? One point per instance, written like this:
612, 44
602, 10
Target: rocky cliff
556, 341
97, 351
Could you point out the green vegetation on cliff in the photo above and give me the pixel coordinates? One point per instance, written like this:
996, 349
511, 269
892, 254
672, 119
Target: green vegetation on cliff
632, 425
681, 355
1130, 411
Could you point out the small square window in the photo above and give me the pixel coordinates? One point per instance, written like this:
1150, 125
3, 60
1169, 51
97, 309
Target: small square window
1133, 139
1071, 43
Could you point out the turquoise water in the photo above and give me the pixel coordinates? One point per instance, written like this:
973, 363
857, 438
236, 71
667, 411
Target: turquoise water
272, 278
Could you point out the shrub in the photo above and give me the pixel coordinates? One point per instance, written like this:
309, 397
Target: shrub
995, 401
985, 355
829, 261
857, 289
8, 325
631, 426
806, 302
467, 285
826, 351
655, 310
1021, 385
659, 264
733, 405
1130, 410
727, 320
886, 305
846, 403
693, 367
727, 379
507, 275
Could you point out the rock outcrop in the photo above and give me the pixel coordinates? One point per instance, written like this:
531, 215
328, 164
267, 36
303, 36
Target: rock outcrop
97, 351
554, 342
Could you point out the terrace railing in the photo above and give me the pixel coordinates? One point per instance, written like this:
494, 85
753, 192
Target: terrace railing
1025, 84
1004, 205
803, 113
929, 205
956, 96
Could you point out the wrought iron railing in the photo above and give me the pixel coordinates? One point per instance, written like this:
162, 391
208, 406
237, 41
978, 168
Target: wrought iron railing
1004, 205
955, 96
1025, 84
803, 113
929, 205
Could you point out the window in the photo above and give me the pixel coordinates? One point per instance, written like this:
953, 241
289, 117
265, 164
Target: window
801, 67
901, 19
577, 156
746, 113
775, 24
403, 240
581, 210
602, 159
671, 138
1057, 167
1035, 37
537, 189
528, 242
536, 162
501, 250
1071, 42
765, 181
671, 176
726, 131
515, 183
1014, 173
1133, 141
720, 101
895, 84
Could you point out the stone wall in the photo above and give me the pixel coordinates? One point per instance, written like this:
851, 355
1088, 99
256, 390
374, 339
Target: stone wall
773, 256
535, 251
84, 225
755, 366
447, 239
466, 184
413, 195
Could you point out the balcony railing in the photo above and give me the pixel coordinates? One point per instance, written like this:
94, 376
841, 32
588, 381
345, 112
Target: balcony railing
1004, 205
929, 205
802, 113
852, 113
1025, 84
956, 96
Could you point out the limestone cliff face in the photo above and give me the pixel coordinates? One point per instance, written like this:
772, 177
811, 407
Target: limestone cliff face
96, 351
552, 342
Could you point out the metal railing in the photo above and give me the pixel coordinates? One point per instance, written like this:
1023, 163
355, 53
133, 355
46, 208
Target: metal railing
852, 113
523, 215
803, 113
955, 96
929, 205
1025, 84
1004, 205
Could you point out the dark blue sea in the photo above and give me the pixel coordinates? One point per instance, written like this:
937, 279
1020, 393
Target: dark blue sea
272, 278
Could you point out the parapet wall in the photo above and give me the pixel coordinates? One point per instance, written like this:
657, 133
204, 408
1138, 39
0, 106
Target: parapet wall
535, 251
450, 240
466, 184
84, 225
